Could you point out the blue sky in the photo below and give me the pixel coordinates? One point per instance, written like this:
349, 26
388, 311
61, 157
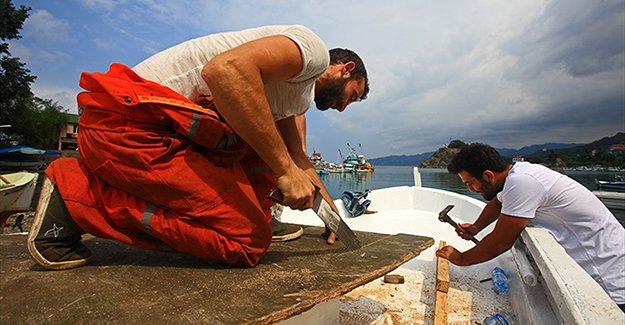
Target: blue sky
507, 73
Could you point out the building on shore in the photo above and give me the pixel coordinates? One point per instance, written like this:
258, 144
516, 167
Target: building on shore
68, 137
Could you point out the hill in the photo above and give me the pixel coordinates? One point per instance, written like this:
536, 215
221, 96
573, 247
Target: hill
440, 159
573, 154
528, 150
403, 160
418, 159
594, 153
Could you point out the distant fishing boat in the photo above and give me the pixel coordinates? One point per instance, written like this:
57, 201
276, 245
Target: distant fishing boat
353, 163
356, 163
322, 172
618, 184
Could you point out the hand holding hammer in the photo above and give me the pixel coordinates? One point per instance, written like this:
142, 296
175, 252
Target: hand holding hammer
444, 217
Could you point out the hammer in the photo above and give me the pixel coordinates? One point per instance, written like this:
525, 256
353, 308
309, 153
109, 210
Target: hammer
444, 217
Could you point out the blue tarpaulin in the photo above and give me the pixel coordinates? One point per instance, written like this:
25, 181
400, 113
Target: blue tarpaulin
26, 150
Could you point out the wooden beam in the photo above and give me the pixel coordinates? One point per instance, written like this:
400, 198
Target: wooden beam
442, 272
442, 286
440, 308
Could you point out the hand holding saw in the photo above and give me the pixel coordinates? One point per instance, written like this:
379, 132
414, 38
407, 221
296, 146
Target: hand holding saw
332, 220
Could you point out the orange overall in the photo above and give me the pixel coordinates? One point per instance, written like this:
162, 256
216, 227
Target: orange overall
160, 172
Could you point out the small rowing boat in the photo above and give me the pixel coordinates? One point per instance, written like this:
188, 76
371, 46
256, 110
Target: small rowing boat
16, 193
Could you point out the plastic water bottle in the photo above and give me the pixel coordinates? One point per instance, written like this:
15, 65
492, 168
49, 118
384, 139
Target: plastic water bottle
500, 280
503, 317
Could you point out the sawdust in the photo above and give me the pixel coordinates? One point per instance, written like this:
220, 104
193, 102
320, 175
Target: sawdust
469, 301
278, 279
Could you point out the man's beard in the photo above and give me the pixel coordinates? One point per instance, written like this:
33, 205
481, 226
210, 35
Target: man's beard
326, 96
488, 191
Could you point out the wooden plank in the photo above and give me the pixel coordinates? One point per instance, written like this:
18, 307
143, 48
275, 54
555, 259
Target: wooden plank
442, 272
442, 286
440, 308
128, 285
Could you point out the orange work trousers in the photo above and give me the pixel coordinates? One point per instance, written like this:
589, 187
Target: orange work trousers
160, 172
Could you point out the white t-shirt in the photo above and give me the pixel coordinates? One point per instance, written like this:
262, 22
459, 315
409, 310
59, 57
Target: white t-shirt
577, 219
180, 66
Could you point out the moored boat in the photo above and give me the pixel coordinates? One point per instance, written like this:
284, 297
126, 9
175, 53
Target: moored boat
23, 157
546, 285
356, 163
16, 193
618, 185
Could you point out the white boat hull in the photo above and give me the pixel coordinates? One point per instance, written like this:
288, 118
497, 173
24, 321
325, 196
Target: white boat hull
550, 289
17, 195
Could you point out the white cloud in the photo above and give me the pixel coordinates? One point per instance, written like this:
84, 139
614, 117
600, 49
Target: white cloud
20, 51
509, 73
65, 97
106, 5
42, 25
104, 43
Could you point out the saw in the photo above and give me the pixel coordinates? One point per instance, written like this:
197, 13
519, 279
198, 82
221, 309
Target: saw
332, 220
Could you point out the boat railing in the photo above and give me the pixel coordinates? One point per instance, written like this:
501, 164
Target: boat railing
4, 186
5, 182
575, 297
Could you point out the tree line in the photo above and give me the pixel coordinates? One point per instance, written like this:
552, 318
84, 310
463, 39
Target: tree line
24, 117
596, 153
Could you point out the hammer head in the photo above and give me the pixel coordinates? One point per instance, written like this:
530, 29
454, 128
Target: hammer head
442, 216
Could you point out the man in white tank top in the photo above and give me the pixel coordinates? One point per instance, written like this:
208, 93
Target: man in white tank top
262, 81
529, 194
190, 179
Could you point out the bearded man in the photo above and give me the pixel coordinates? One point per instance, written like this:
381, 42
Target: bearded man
180, 152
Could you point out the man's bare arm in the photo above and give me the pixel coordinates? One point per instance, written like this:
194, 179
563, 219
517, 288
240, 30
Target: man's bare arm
506, 231
489, 214
293, 130
236, 79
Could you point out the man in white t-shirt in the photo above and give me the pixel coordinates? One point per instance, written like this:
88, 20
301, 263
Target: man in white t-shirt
529, 194
180, 152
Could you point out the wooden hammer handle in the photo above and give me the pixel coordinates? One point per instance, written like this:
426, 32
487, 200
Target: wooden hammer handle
464, 231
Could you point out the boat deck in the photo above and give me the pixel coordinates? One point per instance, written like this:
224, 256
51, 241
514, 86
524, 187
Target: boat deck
127, 285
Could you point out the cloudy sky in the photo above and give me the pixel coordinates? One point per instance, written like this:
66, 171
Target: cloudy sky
507, 73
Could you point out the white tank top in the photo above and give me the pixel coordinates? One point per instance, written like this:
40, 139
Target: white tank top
180, 66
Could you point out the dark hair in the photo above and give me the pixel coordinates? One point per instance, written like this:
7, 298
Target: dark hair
476, 158
338, 55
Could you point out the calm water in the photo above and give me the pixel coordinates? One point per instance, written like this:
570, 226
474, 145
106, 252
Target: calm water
388, 176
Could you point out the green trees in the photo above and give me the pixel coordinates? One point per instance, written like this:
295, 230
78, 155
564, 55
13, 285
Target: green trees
34, 121
456, 144
596, 153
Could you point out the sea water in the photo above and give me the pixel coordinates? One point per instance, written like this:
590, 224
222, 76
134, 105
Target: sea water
389, 176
